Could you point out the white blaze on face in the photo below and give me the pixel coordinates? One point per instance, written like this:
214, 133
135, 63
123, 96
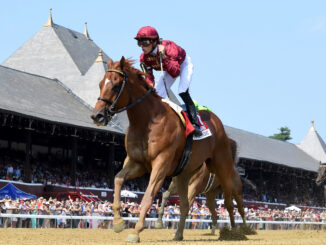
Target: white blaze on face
106, 81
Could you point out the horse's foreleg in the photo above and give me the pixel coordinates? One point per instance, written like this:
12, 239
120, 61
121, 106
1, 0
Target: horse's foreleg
130, 170
182, 189
210, 197
157, 177
166, 195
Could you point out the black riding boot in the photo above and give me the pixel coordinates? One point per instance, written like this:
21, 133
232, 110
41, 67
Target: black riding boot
192, 113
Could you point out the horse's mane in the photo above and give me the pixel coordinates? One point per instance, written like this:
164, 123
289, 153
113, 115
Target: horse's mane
129, 66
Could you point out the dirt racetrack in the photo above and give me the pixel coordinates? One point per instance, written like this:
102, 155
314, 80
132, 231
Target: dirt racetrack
80, 236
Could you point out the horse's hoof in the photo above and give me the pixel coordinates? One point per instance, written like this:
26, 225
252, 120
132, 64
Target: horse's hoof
158, 225
119, 227
213, 230
133, 238
177, 238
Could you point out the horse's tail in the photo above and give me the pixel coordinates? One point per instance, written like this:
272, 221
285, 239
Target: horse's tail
234, 150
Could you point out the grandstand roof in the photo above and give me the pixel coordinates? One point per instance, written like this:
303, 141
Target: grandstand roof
258, 147
314, 145
67, 55
43, 98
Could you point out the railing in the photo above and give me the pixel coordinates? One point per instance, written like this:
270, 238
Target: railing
172, 223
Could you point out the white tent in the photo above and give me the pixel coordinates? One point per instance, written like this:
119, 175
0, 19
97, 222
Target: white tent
126, 193
221, 202
293, 208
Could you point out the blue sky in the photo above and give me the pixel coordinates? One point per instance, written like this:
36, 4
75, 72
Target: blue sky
260, 65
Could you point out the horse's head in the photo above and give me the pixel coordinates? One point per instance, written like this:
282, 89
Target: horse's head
114, 97
321, 176
112, 93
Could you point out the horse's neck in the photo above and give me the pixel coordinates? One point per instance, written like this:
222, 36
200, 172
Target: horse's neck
141, 115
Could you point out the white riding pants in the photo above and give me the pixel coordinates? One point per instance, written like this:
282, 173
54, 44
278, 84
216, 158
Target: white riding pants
186, 71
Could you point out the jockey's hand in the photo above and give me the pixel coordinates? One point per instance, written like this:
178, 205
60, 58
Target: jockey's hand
161, 49
152, 85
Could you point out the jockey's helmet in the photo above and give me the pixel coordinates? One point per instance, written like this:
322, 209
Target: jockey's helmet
147, 32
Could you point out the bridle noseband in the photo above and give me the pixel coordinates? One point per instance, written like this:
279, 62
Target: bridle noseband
111, 110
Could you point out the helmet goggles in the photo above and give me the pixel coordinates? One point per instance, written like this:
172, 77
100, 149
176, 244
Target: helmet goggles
144, 42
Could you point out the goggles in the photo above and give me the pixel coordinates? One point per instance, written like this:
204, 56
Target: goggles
144, 42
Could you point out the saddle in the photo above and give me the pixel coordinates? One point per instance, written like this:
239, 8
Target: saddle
189, 128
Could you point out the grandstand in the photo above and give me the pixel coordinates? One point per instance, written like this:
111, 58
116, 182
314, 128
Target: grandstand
49, 86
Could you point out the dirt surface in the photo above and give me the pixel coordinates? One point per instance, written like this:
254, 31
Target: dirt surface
78, 236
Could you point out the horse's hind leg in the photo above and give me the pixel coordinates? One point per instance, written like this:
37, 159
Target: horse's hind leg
237, 194
222, 166
172, 190
130, 170
210, 197
182, 189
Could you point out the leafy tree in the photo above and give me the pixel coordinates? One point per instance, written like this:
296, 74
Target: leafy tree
283, 135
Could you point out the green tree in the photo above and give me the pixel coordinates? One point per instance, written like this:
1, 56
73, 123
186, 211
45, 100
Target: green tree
283, 135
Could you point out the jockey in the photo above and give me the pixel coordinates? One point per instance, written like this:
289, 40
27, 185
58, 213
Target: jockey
175, 63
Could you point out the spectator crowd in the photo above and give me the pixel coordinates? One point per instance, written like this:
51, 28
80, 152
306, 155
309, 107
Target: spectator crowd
77, 207
50, 169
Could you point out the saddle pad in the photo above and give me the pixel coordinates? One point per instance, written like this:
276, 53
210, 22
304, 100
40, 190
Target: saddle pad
186, 122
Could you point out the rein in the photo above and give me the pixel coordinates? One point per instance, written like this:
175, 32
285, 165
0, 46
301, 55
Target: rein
124, 83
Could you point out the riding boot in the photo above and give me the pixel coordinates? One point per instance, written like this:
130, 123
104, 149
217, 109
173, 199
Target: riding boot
192, 113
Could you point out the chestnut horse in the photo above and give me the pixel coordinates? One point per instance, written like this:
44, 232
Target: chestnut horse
155, 141
198, 184
321, 177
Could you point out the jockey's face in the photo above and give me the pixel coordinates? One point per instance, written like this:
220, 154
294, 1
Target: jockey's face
149, 48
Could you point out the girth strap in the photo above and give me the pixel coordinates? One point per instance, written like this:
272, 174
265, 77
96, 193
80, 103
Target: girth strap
186, 155
209, 183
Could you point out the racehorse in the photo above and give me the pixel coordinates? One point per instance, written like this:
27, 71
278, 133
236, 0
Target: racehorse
321, 177
202, 182
154, 143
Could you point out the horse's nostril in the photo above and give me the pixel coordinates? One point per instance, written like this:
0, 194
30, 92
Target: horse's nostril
98, 117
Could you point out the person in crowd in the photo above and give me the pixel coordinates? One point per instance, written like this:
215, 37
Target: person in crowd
76, 211
46, 211
9, 206
33, 211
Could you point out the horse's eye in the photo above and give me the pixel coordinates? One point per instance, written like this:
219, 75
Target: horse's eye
116, 88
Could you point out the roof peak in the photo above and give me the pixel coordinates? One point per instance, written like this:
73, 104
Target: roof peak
99, 58
49, 23
86, 32
313, 144
312, 129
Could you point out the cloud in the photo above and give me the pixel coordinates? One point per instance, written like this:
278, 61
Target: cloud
318, 24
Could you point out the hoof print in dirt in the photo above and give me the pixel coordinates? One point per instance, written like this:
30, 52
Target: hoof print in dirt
247, 230
231, 235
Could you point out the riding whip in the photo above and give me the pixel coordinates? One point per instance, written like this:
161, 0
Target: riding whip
166, 89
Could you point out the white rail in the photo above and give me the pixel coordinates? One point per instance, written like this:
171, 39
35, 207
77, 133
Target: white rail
154, 219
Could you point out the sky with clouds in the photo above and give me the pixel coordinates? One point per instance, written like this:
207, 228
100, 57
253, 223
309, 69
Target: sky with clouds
260, 65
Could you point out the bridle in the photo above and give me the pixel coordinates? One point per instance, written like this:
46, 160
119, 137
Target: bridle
111, 110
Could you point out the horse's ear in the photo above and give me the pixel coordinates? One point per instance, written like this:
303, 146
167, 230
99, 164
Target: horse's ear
110, 63
122, 62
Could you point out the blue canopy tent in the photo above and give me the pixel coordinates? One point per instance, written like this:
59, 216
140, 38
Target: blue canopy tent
13, 192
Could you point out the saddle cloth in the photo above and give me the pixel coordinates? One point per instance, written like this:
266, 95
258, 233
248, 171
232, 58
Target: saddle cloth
186, 122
